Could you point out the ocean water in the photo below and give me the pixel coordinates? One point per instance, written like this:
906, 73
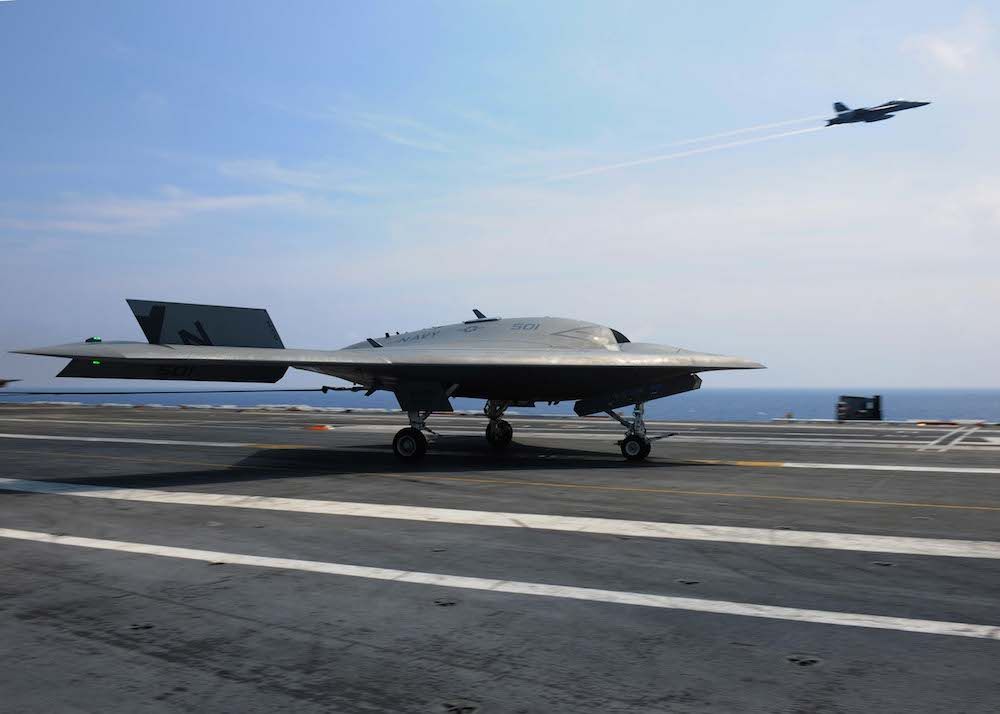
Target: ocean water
706, 404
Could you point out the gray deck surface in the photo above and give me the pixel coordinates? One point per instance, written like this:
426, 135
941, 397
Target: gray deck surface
95, 630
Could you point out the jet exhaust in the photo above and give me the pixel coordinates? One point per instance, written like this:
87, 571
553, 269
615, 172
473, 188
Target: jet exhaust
737, 132
681, 154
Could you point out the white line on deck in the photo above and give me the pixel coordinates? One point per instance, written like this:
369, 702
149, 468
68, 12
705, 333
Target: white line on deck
150, 422
666, 602
892, 467
609, 436
533, 521
943, 439
600, 437
120, 440
963, 435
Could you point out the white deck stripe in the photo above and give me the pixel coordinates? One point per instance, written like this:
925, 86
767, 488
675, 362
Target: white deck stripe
121, 440
146, 422
667, 602
893, 467
680, 437
941, 439
573, 524
961, 437
600, 437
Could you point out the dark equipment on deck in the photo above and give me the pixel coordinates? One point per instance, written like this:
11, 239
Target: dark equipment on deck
859, 408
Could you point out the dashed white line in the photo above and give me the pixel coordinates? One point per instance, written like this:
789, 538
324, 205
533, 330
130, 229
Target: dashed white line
533, 521
666, 602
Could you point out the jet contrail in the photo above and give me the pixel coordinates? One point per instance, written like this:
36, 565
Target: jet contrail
681, 154
745, 130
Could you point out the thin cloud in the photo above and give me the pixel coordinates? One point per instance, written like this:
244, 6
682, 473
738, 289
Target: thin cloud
396, 130
392, 128
111, 215
959, 49
308, 178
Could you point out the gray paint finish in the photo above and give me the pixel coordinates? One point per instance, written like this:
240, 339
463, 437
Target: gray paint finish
525, 359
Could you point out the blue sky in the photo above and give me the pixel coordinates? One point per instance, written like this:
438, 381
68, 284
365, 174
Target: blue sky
357, 168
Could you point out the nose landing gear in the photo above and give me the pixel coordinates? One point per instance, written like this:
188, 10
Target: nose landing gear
636, 445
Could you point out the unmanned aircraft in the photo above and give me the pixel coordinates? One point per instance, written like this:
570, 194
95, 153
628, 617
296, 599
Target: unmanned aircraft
507, 362
883, 111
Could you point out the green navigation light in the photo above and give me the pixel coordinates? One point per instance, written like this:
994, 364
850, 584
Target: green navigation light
95, 361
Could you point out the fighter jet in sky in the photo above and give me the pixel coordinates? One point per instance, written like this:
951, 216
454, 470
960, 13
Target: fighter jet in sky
886, 110
5, 382
507, 362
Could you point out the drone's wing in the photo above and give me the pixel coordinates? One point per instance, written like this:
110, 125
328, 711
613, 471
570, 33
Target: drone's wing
229, 344
137, 360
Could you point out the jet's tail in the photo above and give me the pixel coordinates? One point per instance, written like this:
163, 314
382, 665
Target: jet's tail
218, 335
168, 324
840, 107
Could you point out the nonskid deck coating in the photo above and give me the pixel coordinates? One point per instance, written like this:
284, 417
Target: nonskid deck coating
164, 634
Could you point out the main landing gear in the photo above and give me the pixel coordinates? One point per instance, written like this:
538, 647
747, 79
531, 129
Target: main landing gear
499, 432
636, 445
410, 444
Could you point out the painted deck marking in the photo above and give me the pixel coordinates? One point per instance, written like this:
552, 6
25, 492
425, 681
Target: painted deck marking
617, 597
531, 521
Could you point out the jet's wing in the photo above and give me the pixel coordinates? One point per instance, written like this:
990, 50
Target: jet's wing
137, 360
235, 344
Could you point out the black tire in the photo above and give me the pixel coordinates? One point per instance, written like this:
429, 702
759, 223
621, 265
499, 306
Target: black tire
647, 448
635, 448
499, 433
409, 444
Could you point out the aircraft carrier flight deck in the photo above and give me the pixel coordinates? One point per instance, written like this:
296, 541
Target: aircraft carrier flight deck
251, 560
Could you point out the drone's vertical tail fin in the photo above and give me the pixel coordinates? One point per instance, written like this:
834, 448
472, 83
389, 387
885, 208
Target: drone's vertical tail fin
176, 323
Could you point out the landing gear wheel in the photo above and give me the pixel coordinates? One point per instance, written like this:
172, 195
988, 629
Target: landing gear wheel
635, 448
409, 444
499, 433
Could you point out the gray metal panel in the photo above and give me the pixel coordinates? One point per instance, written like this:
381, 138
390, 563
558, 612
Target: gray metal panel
538, 332
175, 323
422, 396
646, 393
224, 372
